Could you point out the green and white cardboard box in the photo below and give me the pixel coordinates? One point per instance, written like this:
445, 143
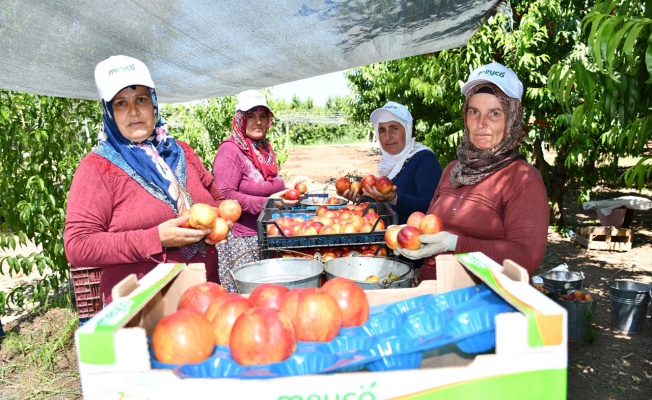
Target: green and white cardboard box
529, 362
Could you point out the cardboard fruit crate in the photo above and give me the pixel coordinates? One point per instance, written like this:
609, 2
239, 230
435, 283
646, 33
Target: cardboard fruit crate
529, 359
86, 284
605, 238
267, 215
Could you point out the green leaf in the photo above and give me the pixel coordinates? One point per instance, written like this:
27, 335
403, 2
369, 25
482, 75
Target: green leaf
601, 47
632, 36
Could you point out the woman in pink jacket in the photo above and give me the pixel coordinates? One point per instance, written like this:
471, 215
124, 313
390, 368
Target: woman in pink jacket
490, 199
126, 195
245, 170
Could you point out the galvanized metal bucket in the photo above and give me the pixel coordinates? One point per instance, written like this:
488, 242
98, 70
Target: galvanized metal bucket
359, 269
289, 272
580, 314
629, 302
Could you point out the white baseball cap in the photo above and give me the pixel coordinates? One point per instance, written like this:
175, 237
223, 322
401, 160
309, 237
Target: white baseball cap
117, 72
389, 112
497, 74
250, 99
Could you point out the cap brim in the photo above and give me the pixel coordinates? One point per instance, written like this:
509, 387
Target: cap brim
380, 113
468, 85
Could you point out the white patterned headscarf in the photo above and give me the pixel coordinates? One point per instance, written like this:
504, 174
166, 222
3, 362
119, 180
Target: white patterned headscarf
391, 164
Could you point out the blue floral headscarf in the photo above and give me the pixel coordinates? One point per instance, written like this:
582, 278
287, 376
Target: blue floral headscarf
158, 164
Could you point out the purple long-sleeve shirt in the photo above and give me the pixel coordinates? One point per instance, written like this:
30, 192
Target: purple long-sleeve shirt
239, 179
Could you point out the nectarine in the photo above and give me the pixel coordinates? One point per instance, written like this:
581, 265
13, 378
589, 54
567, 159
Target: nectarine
219, 230
391, 236
292, 194
368, 180
230, 210
431, 224
357, 187
187, 223
342, 184
202, 216
415, 219
408, 238
301, 187
384, 185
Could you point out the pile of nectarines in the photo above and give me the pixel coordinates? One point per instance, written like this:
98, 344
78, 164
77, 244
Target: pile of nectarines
204, 216
261, 328
407, 236
329, 253
382, 183
325, 221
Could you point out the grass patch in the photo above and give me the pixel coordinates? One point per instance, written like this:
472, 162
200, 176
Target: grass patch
38, 358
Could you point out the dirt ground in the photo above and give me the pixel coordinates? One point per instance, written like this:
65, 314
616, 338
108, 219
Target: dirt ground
613, 366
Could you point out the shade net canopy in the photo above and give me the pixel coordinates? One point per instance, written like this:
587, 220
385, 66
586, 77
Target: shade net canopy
204, 49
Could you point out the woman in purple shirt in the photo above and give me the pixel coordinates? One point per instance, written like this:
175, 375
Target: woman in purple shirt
245, 170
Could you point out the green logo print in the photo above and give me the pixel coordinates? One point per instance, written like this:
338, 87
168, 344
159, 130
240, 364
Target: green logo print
491, 72
364, 394
130, 67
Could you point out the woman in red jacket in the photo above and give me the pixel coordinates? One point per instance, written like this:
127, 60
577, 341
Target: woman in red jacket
126, 195
490, 199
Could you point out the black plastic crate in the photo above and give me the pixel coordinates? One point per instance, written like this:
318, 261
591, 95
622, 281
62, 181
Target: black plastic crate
267, 215
307, 202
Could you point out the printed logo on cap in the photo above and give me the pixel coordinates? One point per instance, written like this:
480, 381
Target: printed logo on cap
130, 67
491, 72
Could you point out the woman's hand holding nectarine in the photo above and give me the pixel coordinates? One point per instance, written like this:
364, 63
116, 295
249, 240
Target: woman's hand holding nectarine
390, 197
173, 235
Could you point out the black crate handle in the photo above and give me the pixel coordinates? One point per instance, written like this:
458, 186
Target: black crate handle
258, 250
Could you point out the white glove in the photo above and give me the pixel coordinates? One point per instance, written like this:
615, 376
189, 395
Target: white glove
430, 245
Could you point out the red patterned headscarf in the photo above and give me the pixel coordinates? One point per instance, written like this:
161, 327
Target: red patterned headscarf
260, 152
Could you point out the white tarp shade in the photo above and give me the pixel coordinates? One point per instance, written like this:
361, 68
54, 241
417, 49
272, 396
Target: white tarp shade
199, 49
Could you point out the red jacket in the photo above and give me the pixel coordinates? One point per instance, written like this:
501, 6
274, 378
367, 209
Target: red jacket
505, 216
112, 222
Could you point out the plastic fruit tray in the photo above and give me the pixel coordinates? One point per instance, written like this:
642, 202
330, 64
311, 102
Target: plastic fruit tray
267, 216
394, 338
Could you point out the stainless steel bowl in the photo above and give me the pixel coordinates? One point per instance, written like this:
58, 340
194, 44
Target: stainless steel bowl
289, 272
563, 280
360, 268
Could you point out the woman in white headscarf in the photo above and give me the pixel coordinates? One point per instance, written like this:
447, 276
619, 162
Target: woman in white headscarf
413, 168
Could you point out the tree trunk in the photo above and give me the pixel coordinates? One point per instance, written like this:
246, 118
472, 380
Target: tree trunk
556, 185
539, 159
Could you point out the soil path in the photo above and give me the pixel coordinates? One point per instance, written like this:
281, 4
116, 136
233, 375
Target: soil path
320, 166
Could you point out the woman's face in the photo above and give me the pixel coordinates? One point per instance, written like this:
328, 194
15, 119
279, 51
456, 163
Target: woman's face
257, 123
392, 136
485, 120
134, 113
